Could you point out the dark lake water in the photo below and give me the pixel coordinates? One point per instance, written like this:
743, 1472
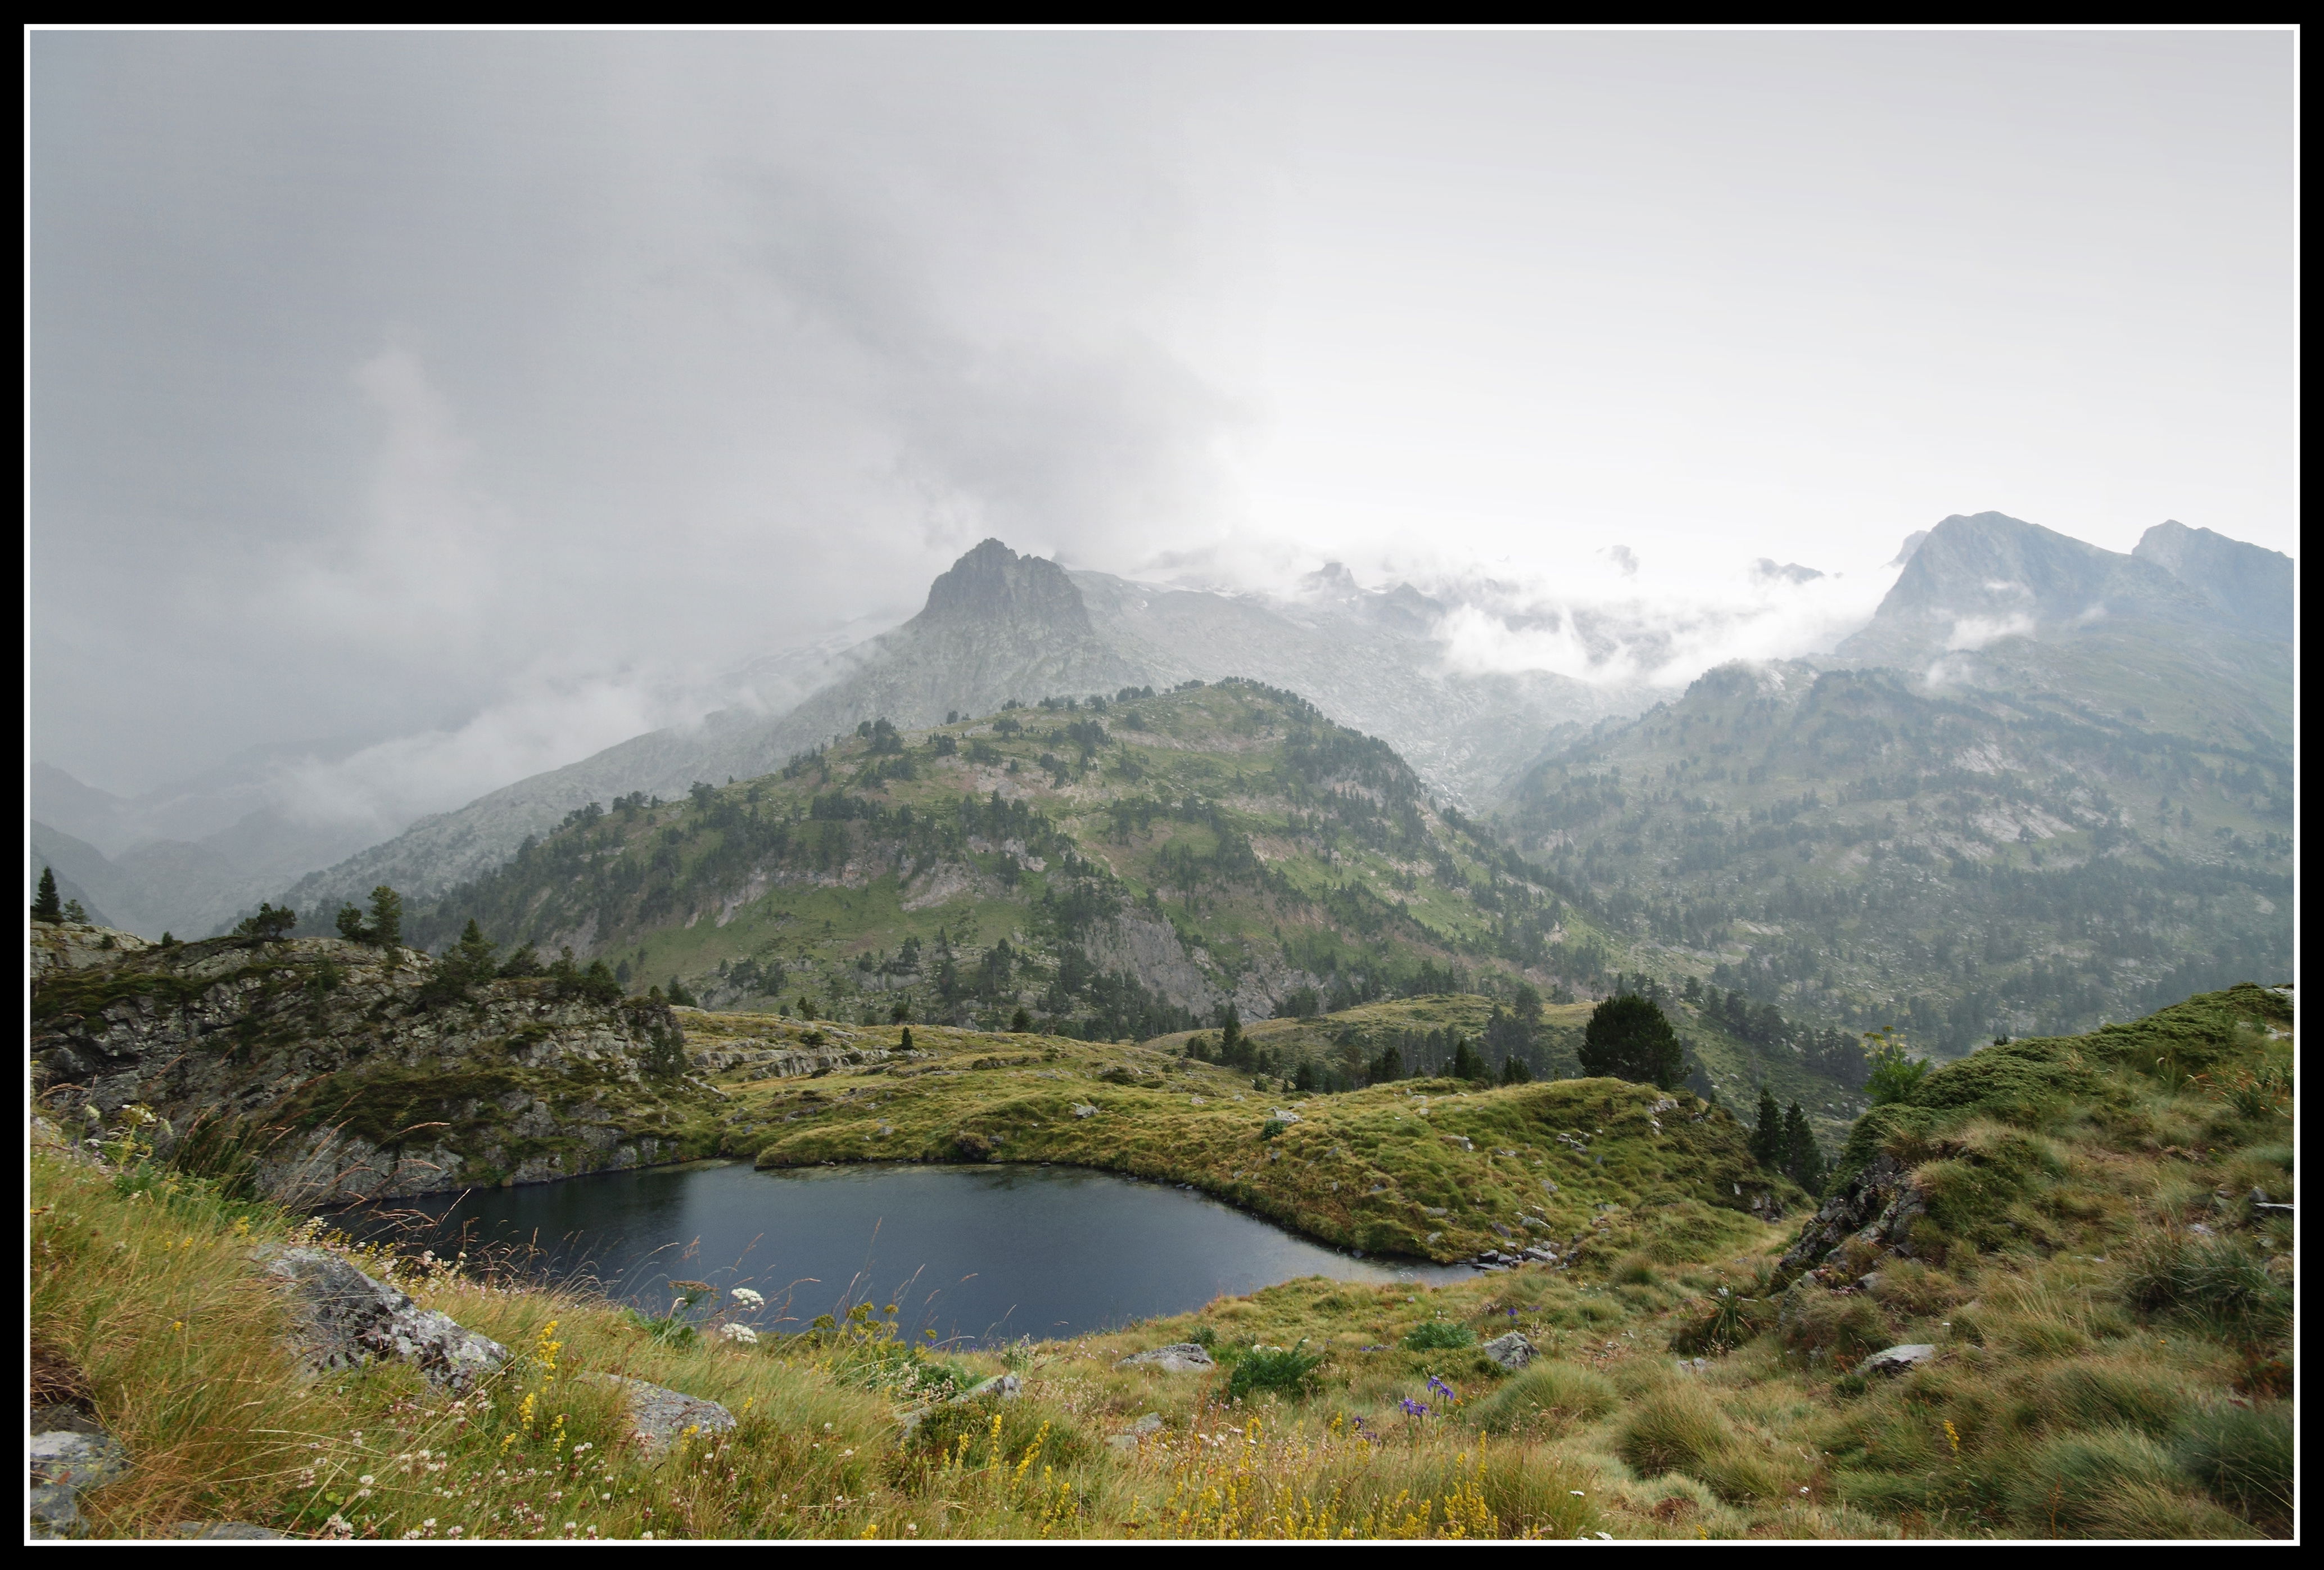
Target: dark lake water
977, 1253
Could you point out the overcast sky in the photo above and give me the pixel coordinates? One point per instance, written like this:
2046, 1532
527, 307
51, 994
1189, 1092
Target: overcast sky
482, 397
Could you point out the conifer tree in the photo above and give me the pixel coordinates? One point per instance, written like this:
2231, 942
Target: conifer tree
1513, 1070
1802, 1161
268, 924
46, 906
385, 928
1768, 1139
1466, 1064
1628, 1037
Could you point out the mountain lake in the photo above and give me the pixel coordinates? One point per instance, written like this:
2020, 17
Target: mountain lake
980, 1254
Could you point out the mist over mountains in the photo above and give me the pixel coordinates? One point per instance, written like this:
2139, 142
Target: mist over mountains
2012, 704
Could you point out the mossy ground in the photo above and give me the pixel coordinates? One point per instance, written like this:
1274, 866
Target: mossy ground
2109, 1302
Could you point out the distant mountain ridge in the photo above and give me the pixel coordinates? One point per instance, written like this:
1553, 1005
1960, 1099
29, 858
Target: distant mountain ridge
997, 626
1979, 578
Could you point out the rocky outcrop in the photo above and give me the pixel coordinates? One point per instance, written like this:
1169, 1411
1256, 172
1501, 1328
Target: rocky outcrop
345, 1319
63, 946
1878, 1206
328, 1072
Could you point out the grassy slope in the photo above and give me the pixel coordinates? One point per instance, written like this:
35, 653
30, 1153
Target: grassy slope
2103, 1368
1955, 862
1380, 1169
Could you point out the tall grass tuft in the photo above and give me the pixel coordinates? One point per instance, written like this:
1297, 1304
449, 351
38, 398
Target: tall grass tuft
2243, 1457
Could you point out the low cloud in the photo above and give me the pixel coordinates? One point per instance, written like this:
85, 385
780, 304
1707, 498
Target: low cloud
1970, 633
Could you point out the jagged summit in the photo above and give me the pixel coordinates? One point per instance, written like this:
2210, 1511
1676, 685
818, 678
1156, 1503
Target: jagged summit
991, 584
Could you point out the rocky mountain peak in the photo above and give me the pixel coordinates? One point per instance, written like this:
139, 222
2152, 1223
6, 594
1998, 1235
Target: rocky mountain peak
992, 582
2249, 584
1984, 576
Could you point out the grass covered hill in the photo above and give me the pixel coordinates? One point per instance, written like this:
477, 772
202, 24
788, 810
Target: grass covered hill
1435, 1169
2089, 1237
1116, 867
2028, 847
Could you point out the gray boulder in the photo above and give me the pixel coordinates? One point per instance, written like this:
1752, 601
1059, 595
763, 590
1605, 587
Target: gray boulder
659, 1415
221, 1531
1512, 1351
1008, 1387
345, 1319
51, 1511
63, 1462
1151, 1423
1184, 1357
1896, 1360
71, 1460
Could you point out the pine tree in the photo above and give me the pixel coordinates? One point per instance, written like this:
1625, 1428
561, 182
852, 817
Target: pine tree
350, 925
475, 952
1628, 1037
268, 924
1388, 1066
1513, 1070
1769, 1141
1802, 1160
385, 928
1466, 1064
46, 906
1021, 1021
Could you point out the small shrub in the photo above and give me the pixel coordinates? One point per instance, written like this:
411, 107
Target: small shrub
1634, 1270
1845, 1324
1286, 1371
1439, 1336
2243, 1457
1733, 1320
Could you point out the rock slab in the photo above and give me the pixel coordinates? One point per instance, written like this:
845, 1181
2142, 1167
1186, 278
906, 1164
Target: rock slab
1896, 1360
345, 1319
1184, 1357
659, 1415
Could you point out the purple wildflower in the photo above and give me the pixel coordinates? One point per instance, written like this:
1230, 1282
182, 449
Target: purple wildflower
1413, 1409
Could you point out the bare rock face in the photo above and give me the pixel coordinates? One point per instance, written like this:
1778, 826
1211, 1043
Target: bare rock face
76, 946
345, 1319
1878, 1204
1184, 1357
332, 1072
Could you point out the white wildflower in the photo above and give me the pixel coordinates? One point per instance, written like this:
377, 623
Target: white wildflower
738, 1335
747, 1297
